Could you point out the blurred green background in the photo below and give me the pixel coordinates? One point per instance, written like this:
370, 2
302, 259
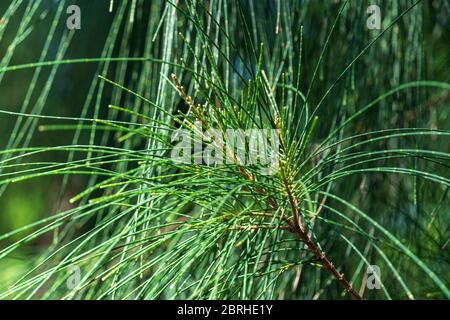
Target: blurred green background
419, 48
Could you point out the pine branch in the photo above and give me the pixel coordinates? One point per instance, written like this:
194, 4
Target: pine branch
297, 226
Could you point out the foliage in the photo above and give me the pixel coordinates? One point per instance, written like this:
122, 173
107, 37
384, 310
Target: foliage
363, 178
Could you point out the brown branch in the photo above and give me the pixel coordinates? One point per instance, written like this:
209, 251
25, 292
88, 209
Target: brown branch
296, 227
299, 230
319, 254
